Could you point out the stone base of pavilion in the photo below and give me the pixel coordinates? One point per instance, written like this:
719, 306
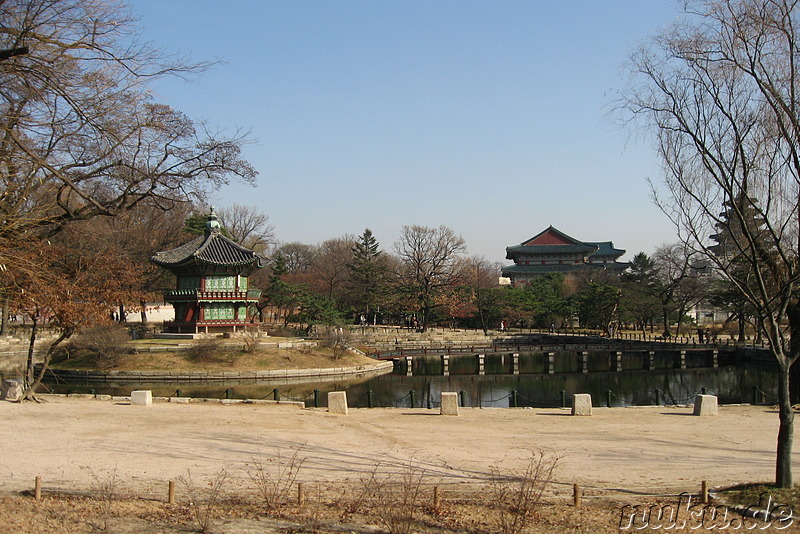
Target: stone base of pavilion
175, 335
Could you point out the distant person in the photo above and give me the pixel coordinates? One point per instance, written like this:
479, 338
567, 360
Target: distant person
700, 333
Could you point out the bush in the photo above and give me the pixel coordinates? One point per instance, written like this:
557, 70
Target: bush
337, 340
515, 494
206, 350
275, 477
104, 345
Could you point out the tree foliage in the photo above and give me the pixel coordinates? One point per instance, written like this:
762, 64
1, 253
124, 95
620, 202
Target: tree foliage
66, 288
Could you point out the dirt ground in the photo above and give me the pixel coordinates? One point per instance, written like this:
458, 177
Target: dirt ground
628, 454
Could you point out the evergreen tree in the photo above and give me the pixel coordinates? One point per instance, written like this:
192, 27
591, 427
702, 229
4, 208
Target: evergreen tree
368, 273
641, 290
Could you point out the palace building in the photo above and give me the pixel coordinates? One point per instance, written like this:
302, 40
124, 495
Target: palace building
553, 251
211, 294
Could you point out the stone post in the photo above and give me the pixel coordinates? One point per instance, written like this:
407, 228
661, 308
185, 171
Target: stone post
337, 402
449, 405
581, 404
705, 405
142, 397
11, 390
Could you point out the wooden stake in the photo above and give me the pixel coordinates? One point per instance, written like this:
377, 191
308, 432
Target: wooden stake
437, 501
704, 492
37, 489
171, 492
576, 495
301, 498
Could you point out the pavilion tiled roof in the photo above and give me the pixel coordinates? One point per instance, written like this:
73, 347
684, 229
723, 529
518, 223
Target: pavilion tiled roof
213, 248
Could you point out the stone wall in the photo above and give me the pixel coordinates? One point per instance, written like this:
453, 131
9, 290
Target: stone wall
388, 338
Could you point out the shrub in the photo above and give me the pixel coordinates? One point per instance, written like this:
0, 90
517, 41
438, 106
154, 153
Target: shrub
204, 498
337, 340
275, 477
104, 345
206, 350
395, 497
516, 493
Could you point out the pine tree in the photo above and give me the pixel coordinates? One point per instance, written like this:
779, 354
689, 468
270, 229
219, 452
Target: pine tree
367, 272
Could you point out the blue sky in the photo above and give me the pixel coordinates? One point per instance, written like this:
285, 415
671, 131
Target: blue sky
490, 117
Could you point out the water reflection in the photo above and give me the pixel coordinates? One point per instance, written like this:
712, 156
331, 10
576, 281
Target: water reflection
534, 385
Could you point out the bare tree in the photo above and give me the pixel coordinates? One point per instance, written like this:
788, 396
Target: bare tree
719, 90
482, 278
298, 256
329, 267
248, 226
82, 138
80, 133
430, 264
677, 285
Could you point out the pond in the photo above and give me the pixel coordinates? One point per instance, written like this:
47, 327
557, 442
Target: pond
535, 386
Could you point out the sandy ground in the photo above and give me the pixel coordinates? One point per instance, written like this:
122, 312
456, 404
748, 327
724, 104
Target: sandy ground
70, 442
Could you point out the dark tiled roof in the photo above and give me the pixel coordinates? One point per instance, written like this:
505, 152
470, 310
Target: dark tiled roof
212, 248
606, 248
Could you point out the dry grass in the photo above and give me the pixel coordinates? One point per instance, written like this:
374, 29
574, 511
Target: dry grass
230, 358
322, 513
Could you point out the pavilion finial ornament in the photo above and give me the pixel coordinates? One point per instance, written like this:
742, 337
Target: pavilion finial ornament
212, 225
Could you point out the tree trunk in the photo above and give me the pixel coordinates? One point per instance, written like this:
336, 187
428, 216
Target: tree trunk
742, 323
30, 391
29, 363
783, 464
4, 322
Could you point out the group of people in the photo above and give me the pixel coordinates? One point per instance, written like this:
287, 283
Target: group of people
703, 335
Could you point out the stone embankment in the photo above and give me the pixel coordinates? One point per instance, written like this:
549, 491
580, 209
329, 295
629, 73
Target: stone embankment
392, 338
75, 376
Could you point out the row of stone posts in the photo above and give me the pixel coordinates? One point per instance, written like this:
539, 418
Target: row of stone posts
449, 405
581, 404
616, 362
